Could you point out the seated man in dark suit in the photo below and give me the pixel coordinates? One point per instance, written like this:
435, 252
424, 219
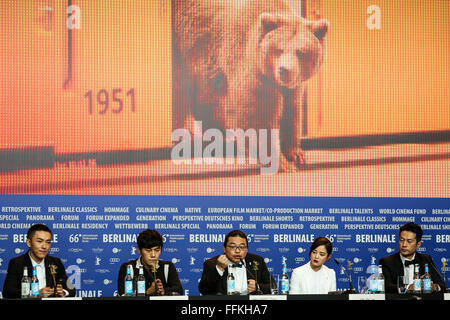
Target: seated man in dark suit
161, 277
250, 271
402, 262
49, 269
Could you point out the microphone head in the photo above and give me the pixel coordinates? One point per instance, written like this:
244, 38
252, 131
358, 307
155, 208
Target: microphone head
337, 262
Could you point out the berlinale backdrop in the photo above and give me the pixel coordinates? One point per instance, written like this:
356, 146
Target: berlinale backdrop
288, 120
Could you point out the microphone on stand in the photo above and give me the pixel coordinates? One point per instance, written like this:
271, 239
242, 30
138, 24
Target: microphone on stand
255, 268
351, 290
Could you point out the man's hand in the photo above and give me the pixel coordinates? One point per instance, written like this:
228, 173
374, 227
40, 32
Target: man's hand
46, 292
159, 288
60, 291
222, 262
434, 287
251, 285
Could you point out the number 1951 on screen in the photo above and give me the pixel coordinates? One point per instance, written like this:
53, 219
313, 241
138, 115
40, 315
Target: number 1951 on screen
114, 101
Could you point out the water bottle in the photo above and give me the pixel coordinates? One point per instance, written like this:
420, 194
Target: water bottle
373, 281
284, 281
141, 282
426, 280
34, 284
380, 280
416, 280
129, 282
231, 284
25, 284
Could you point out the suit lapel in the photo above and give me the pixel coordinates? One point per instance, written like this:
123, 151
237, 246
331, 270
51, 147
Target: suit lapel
28, 264
399, 265
48, 276
247, 268
251, 265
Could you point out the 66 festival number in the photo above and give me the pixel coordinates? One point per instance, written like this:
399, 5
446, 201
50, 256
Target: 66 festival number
115, 101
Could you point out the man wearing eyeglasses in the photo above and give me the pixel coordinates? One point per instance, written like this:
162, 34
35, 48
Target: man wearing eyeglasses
249, 270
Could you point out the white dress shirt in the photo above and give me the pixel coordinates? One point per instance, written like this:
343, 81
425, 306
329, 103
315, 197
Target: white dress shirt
408, 272
304, 280
40, 272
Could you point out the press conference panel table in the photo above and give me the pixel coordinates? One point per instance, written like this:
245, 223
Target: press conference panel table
296, 297
243, 298
230, 307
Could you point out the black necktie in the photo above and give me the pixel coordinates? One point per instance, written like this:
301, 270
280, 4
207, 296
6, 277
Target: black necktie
407, 262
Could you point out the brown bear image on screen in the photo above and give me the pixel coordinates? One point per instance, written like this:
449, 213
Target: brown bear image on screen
243, 64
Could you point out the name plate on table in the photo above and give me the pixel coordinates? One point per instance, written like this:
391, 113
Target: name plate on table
376, 296
63, 298
169, 298
268, 297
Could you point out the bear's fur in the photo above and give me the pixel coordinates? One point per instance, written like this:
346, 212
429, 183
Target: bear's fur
243, 64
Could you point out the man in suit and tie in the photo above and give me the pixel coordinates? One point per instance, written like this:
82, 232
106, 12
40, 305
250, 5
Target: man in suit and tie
402, 263
249, 270
50, 270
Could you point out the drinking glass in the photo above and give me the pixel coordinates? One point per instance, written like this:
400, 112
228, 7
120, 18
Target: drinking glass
362, 284
402, 284
274, 282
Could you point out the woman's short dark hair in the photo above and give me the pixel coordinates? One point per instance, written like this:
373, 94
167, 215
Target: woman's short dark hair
149, 238
235, 233
414, 228
322, 241
37, 227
